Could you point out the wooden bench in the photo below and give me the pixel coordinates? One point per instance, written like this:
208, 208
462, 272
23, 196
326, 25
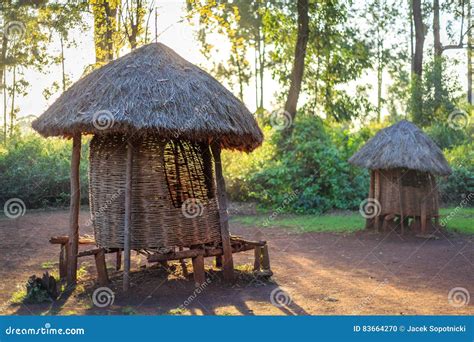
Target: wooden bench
98, 253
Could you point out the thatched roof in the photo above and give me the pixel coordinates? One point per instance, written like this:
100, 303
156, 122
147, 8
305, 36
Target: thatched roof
402, 145
152, 89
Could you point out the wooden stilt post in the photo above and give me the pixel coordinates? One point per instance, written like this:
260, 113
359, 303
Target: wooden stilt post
402, 218
377, 197
258, 258
128, 217
101, 268
228, 263
118, 260
198, 270
423, 218
73, 241
369, 222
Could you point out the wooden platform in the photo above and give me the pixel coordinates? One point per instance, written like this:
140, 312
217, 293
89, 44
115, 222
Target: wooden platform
195, 253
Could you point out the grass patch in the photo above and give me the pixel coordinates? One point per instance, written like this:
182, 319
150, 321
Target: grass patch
461, 220
47, 265
177, 311
308, 223
18, 296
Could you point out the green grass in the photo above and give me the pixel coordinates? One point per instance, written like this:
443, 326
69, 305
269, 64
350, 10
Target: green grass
462, 221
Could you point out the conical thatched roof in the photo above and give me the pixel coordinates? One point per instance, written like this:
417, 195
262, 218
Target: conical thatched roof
402, 145
152, 89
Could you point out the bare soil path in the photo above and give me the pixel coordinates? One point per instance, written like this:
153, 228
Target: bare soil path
314, 273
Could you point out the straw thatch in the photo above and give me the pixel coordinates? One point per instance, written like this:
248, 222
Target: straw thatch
402, 145
152, 90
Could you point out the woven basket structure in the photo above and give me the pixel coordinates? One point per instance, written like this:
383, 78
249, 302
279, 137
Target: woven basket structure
173, 192
415, 189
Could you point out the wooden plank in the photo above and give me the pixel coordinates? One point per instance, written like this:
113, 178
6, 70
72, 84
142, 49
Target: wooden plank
257, 258
228, 263
61, 240
101, 267
198, 270
74, 211
128, 217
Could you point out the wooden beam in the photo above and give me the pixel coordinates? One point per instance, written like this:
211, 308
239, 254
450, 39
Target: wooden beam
128, 217
74, 211
377, 189
228, 263
257, 258
369, 222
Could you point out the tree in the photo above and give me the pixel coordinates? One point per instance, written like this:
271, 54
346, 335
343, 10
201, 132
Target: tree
417, 64
106, 28
296, 77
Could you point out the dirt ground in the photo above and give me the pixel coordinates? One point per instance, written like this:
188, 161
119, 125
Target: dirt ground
314, 273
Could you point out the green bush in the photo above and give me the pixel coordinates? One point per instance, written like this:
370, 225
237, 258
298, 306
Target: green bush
313, 174
37, 170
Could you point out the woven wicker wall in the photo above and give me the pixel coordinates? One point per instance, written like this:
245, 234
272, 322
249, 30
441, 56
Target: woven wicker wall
173, 194
415, 189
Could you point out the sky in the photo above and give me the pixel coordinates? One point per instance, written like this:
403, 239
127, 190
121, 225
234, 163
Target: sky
179, 35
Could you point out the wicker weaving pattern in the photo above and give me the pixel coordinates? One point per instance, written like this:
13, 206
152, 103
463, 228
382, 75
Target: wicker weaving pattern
415, 188
165, 175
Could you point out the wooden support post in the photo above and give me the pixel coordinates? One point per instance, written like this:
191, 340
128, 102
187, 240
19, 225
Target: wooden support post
400, 202
377, 197
369, 222
228, 262
73, 241
198, 270
258, 258
128, 217
118, 260
423, 218
63, 262
101, 267
219, 261
265, 258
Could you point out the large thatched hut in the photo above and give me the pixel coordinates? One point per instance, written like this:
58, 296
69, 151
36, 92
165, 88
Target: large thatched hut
403, 162
155, 178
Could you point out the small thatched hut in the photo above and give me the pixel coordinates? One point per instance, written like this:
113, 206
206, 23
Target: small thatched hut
155, 177
403, 162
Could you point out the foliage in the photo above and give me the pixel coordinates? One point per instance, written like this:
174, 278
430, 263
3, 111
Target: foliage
37, 170
315, 168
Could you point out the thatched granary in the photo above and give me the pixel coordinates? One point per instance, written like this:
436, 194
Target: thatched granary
403, 162
155, 177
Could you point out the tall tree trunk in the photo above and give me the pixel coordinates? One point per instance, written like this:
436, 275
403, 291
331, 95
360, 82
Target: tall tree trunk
12, 108
296, 78
3, 85
105, 18
438, 59
470, 54
417, 64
